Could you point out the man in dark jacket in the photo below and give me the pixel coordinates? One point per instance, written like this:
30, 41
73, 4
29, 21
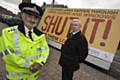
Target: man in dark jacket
74, 50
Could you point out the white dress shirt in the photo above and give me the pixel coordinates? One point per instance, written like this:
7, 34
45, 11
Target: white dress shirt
27, 31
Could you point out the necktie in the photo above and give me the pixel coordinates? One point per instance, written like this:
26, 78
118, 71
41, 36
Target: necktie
30, 35
70, 35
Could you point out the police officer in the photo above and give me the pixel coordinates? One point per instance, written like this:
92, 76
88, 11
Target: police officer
23, 47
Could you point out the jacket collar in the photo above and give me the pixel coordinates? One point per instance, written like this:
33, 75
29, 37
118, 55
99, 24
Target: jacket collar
21, 28
78, 33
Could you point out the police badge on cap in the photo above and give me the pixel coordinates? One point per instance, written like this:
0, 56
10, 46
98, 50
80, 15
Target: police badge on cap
31, 8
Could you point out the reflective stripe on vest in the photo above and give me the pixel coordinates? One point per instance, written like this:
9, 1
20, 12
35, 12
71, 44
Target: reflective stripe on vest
43, 48
6, 52
24, 79
16, 75
29, 58
16, 39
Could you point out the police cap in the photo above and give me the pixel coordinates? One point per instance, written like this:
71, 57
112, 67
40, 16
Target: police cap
31, 8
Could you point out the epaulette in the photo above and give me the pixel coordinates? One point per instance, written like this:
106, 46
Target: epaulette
12, 29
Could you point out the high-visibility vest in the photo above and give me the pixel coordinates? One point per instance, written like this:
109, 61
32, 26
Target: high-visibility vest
19, 52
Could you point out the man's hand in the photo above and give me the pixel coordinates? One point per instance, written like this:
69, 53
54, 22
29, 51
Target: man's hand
35, 67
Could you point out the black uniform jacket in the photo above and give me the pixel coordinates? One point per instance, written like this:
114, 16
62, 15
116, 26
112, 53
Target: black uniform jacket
74, 51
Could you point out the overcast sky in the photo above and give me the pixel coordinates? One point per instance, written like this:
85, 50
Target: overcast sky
107, 4
84, 3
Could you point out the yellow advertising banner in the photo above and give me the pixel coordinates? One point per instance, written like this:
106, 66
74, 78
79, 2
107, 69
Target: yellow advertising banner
100, 26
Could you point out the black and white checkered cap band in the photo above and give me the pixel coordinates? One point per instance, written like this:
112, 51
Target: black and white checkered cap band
31, 9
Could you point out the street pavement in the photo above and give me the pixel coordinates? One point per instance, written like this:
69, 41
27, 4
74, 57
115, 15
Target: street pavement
52, 71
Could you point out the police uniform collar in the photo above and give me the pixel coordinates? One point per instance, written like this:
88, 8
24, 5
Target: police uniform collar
21, 28
27, 30
37, 32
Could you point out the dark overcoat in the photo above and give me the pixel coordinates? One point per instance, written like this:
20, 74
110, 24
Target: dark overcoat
74, 51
